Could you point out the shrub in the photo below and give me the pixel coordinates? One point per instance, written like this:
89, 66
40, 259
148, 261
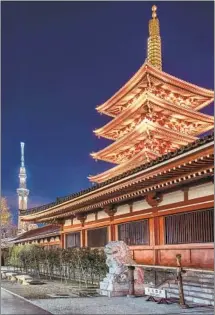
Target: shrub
73, 263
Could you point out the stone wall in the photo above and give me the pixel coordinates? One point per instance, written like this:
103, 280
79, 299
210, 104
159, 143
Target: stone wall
156, 277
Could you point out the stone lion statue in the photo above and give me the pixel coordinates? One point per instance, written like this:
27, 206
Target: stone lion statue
118, 254
117, 257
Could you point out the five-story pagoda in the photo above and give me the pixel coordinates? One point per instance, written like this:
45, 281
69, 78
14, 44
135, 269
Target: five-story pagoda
153, 113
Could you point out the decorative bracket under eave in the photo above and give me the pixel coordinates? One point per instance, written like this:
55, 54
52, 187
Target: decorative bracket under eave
81, 217
154, 199
110, 210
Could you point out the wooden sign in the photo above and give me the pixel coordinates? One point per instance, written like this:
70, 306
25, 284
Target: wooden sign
155, 292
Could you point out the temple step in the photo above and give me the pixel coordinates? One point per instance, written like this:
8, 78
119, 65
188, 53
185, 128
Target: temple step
191, 292
192, 298
199, 280
199, 274
198, 287
194, 287
199, 284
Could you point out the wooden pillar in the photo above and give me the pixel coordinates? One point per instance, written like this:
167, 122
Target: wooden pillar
154, 237
111, 210
180, 283
83, 238
112, 232
157, 236
131, 281
62, 240
82, 218
161, 231
154, 199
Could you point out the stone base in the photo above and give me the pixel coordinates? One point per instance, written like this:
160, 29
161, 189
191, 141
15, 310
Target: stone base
117, 289
112, 293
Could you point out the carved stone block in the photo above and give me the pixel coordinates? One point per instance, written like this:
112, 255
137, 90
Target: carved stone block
116, 282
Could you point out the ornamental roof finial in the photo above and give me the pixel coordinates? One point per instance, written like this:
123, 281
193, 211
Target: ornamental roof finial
154, 13
154, 41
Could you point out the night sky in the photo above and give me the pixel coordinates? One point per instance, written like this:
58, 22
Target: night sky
62, 59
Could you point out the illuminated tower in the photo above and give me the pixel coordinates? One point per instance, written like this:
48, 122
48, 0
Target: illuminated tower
22, 191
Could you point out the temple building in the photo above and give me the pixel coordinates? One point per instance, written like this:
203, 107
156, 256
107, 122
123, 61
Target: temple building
159, 196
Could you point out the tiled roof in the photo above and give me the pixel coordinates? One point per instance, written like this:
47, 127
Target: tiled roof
40, 232
196, 144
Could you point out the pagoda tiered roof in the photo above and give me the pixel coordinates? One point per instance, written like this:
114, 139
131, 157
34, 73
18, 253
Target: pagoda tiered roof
161, 84
149, 135
181, 119
153, 113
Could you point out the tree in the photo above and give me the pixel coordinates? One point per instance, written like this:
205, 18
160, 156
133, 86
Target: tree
5, 212
7, 227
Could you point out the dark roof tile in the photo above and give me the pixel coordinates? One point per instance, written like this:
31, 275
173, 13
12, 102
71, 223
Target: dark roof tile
39, 231
199, 142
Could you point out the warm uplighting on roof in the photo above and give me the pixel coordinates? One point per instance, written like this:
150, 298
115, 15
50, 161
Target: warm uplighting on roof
167, 119
96, 131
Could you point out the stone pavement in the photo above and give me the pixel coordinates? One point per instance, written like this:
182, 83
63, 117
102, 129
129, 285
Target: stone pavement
115, 305
13, 304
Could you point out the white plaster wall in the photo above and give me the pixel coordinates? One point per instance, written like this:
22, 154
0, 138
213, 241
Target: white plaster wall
90, 217
203, 190
102, 215
172, 197
68, 222
123, 209
140, 205
76, 221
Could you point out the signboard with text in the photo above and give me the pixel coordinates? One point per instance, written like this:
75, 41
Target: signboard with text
155, 292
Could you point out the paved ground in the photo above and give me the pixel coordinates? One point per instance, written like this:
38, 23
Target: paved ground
120, 305
38, 295
34, 292
11, 304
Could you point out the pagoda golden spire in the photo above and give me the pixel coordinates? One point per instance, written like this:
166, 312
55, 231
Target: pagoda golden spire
154, 41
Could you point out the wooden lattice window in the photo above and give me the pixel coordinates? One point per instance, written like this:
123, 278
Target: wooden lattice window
190, 227
97, 237
134, 233
73, 240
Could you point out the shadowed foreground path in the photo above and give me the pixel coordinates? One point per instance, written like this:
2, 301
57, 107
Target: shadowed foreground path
116, 305
12, 304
